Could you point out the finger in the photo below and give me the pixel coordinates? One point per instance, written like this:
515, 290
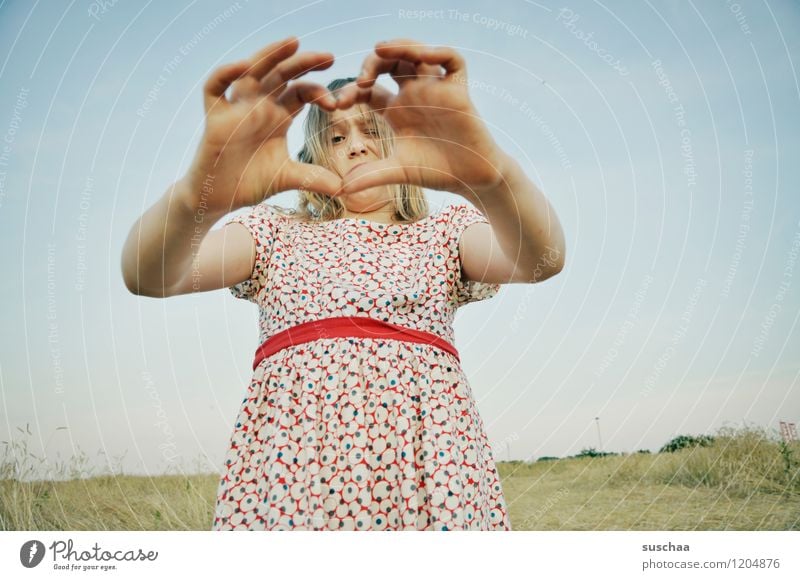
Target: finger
294, 67
308, 177
374, 66
245, 87
297, 94
219, 81
411, 50
377, 97
263, 61
453, 63
429, 70
401, 49
383, 172
408, 50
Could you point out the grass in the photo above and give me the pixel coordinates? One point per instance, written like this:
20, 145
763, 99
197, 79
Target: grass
745, 480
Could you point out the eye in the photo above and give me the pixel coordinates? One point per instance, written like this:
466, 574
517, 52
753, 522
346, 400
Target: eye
335, 137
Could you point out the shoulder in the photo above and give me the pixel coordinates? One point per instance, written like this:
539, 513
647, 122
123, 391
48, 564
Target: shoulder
264, 220
449, 212
452, 219
461, 209
462, 215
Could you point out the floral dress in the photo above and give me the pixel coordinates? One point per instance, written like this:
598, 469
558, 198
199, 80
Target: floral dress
359, 433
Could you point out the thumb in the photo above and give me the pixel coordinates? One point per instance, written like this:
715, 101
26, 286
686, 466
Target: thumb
311, 178
383, 172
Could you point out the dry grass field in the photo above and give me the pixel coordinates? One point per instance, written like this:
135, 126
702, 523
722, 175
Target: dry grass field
745, 480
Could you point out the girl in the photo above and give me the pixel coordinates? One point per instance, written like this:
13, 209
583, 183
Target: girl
358, 415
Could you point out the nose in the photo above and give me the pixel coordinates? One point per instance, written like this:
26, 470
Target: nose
356, 146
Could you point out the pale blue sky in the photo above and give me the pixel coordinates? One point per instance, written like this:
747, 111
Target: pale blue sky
660, 323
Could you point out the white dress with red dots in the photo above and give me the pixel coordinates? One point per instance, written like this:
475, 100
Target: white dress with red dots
359, 433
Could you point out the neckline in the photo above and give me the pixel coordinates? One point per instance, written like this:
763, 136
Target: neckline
362, 221
382, 225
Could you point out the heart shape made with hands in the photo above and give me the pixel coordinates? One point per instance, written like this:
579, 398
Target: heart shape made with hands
440, 141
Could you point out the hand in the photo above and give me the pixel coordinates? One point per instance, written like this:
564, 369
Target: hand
243, 149
440, 140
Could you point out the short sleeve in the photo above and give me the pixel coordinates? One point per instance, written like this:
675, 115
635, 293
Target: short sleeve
467, 291
261, 220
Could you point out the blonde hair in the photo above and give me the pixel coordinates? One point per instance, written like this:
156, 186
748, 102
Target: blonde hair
410, 203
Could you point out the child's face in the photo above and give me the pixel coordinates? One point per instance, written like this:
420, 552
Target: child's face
353, 140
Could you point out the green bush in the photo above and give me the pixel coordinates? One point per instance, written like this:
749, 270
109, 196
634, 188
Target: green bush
592, 452
684, 441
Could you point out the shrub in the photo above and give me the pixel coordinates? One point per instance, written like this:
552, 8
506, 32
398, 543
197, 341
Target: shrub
684, 441
592, 452
740, 462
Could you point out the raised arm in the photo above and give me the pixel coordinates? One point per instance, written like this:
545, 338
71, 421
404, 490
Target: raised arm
442, 143
241, 161
170, 250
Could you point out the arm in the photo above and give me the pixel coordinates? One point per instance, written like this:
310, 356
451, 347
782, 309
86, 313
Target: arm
525, 242
169, 250
241, 161
442, 143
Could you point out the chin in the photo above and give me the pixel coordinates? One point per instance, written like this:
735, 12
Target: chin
366, 200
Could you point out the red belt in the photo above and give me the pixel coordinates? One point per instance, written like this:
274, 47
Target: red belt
347, 326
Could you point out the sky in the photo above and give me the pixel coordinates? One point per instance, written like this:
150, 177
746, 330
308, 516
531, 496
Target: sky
662, 133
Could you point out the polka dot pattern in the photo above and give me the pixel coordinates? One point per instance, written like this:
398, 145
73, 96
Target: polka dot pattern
359, 433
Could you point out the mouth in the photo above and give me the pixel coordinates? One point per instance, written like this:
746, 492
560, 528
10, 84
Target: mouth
356, 165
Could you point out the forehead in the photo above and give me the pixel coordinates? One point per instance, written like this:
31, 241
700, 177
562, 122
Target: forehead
355, 114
